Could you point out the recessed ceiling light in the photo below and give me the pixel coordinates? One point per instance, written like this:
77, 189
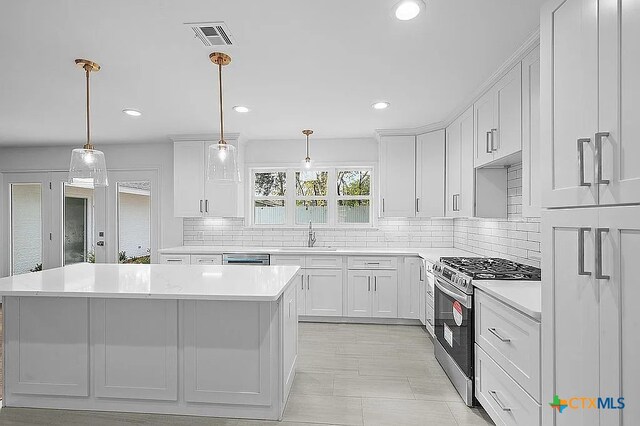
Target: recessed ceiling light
380, 105
132, 112
239, 108
408, 9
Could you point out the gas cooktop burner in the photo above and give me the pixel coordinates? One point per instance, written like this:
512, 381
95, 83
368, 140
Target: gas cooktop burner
492, 268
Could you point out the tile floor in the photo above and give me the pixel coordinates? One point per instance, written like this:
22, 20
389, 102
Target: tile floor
347, 375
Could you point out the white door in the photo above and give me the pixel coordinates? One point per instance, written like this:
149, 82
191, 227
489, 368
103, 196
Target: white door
430, 174
385, 294
359, 293
27, 221
619, 96
484, 113
189, 160
398, 177
569, 101
531, 134
570, 309
619, 317
324, 292
410, 302
507, 139
453, 158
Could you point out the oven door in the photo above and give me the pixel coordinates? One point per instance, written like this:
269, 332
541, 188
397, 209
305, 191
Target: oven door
454, 323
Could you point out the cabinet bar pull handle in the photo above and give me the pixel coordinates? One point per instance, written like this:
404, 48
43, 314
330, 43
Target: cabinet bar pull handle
488, 147
494, 395
383, 205
375, 283
200, 206
206, 206
598, 140
302, 281
368, 283
417, 205
308, 281
493, 131
493, 331
581, 270
581, 143
174, 260
599, 275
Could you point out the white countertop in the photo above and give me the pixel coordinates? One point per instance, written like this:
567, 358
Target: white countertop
430, 254
244, 283
524, 296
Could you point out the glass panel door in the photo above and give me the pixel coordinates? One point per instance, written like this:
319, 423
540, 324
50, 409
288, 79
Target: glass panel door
78, 224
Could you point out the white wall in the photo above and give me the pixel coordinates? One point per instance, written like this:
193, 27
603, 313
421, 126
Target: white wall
329, 151
119, 156
134, 224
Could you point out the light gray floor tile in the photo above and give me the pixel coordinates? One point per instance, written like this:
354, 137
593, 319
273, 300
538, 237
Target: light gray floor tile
434, 388
394, 412
312, 383
372, 387
466, 416
324, 409
329, 363
393, 367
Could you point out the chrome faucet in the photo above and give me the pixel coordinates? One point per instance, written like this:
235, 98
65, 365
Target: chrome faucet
312, 236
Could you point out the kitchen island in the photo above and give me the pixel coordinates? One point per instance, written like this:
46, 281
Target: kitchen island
194, 340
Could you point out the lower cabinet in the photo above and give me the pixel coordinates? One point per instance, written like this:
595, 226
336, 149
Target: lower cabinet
320, 292
411, 299
372, 293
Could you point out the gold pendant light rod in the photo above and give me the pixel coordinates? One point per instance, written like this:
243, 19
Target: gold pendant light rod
307, 132
88, 67
220, 59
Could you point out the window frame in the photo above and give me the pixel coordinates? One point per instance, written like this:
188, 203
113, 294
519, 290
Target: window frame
255, 197
291, 196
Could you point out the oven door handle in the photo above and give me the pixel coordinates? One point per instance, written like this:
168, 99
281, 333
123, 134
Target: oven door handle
465, 300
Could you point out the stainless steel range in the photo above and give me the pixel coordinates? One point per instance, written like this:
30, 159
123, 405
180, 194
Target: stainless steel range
454, 328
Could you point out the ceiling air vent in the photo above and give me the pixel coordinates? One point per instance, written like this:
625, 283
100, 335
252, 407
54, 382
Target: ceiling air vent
212, 33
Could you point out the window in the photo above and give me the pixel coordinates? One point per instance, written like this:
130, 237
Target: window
311, 197
269, 204
330, 196
354, 196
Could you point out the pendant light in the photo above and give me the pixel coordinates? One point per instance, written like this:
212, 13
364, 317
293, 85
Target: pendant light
307, 162
88, 167
223, 157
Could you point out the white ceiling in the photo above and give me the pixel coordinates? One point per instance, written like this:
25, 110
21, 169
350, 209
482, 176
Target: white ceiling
297, 64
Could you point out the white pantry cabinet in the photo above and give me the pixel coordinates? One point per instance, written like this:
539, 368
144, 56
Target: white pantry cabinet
498, 120
412, 171
372, 293
193, 194
590, 60
531, 134
590, 339
459, 166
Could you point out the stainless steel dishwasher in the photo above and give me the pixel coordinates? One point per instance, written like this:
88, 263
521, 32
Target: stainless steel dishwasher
245, 259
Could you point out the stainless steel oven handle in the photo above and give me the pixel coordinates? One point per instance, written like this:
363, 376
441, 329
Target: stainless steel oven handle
462, 298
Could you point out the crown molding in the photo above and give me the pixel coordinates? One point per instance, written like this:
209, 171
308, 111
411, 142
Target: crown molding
529, 44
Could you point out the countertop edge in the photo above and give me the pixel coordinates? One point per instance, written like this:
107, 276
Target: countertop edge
508, 301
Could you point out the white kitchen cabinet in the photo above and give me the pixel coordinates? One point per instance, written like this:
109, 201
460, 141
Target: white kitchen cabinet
385, 294
397, 176
175, 259
409, 301
302, 294
289, 345
193, 194
359, 293
531, 134
324, 292
206, 259
569, 101
498, 121
459, 166
430, 174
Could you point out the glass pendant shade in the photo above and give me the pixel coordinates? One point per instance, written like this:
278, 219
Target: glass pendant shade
223, 163
307, 163
88, 168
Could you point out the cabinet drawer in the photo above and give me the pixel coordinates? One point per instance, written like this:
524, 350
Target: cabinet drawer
333, 262
512, 339
206, 259
366, 262
505, 401
287, 260
175, 259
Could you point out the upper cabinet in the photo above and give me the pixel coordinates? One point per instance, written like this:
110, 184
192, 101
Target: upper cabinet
193, 194
531, 134
590, 92
412, 175
498, 121
459, 200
